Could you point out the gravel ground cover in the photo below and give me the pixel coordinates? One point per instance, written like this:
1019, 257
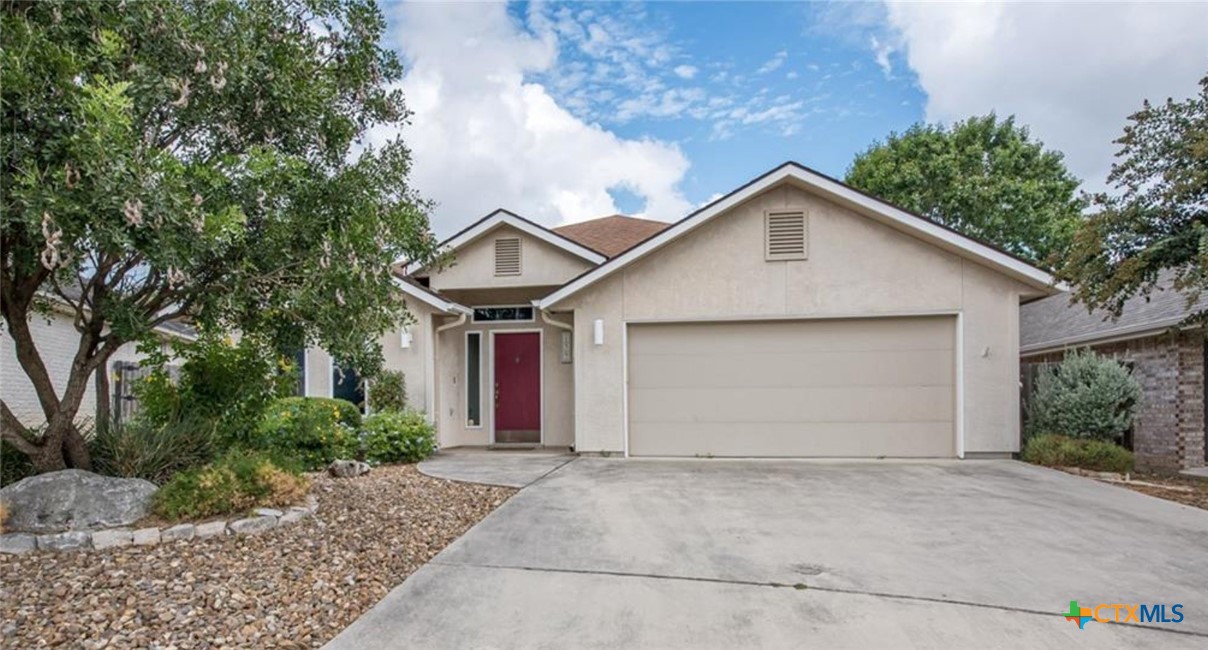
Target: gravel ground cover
292, 587
1188, 491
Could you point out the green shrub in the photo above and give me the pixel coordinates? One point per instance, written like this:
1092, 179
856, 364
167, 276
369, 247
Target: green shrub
1063, 451
140, 448
228, 383
1085, 396
398, 437
312, 430
388, 392
237, 482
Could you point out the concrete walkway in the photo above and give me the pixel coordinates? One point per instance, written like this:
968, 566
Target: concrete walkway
606, 553
494, 466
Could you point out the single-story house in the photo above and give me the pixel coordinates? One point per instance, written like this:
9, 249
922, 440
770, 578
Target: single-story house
1166, 357
56, 338
794, 316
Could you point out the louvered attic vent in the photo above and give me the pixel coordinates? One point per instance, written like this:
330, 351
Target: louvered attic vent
786, 235
507, 256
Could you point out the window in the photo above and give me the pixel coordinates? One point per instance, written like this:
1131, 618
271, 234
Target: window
507, 256
785, 235
495, 314
473, 379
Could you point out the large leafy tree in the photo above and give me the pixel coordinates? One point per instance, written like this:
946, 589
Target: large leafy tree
984, 177
199, 159
1153, 228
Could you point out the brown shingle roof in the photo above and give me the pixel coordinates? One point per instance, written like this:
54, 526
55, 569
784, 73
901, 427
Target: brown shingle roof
611, 235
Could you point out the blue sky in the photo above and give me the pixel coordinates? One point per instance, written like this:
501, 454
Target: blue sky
569, 111
797, 91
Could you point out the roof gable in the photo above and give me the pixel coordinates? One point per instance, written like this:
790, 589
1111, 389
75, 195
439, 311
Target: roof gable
503, 217
832, 190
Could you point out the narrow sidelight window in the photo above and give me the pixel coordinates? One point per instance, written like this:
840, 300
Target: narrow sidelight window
473, 379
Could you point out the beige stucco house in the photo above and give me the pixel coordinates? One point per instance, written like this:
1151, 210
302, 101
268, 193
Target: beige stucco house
795, 316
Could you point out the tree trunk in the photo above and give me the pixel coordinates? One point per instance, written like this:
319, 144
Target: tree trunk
103, 417
75, 448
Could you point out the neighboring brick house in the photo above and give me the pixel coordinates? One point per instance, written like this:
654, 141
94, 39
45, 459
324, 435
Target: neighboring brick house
1166, 357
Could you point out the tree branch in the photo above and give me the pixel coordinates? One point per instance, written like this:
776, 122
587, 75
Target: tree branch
11, 431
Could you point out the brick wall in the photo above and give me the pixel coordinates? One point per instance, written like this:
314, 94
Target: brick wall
1168, 431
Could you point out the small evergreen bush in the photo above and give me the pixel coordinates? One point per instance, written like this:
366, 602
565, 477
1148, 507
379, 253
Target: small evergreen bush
312, 430
1085, 396
398, 437
388, 392
228, 383
1063, 451
237, 482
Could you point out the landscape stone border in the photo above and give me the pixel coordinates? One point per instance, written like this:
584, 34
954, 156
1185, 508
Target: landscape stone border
76, 540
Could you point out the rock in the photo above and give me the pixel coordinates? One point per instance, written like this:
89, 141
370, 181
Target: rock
73, 499
146, 536
347, 468
267, 512
211, 529
179, 531
68, 541
253, 525
112, 537
17, 543
294, 514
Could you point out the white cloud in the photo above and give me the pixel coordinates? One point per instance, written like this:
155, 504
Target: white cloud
1071, 71
881, 52
685, 71
484, 136
773, 63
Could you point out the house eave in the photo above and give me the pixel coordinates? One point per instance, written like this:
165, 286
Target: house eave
1132, 332
432, 300
834, 190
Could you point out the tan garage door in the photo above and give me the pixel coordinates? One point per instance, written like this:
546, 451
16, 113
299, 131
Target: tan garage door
842, 388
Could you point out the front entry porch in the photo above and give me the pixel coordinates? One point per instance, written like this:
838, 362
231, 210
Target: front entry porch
504, 374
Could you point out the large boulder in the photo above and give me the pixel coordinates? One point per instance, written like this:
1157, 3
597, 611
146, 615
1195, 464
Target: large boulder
73, 499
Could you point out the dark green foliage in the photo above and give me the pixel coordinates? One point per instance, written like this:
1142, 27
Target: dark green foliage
312, 430
1152, 228
1063, 451
398, 437
140, 448
1085, 396
984, 177
237, 482
200, 159
388, 392
229, 384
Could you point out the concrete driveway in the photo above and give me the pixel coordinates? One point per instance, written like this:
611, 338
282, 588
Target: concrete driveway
722, 554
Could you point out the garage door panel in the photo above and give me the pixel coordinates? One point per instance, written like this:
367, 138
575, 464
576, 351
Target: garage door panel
744, 404
776, 336
772, 440
840, 388
802, 369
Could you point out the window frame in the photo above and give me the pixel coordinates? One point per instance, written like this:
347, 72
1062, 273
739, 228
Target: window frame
532, 314
466, 389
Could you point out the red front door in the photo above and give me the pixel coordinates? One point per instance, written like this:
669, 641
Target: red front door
518, 387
